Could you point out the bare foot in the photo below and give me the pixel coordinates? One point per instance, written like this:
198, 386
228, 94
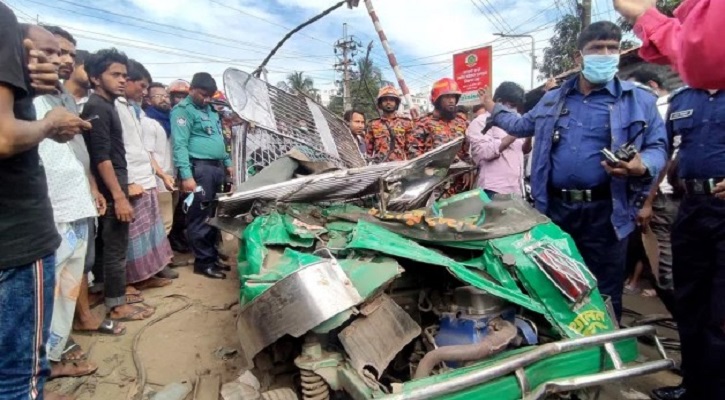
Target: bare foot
71, 369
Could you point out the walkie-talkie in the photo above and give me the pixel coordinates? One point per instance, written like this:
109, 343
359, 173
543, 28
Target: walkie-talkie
625, 153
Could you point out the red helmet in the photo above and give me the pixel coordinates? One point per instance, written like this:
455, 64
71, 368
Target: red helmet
179, 86
388, 91
444, 86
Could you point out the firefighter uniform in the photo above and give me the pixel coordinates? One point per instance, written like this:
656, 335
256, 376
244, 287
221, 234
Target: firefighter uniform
387, 139
698, 239
200, 153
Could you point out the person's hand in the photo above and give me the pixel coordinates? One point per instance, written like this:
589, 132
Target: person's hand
633, 9
644, 217
188, 185
507, 141
414, 112
100, 202
719, 190
624, 169
550, 84
135, 190
124, 211
486, 99
64, 125
169, 182
43, 74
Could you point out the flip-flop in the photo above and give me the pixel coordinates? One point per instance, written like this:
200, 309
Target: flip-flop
89, 369
632, 291
648, 293
107, 327
71, 347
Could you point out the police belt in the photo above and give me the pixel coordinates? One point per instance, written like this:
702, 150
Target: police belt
701, 186
211, 163
601, 192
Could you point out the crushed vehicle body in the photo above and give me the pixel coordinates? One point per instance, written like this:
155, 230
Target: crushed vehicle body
358, 281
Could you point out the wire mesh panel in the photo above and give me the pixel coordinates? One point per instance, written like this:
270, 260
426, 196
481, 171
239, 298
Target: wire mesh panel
277, 121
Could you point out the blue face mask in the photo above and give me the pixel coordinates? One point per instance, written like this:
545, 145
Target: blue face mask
600, 68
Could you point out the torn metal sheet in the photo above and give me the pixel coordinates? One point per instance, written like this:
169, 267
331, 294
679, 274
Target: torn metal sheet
293, 306
331, 186
378, 335
409, 186
276, 121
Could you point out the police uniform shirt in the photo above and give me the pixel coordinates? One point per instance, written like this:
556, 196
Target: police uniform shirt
197, 134
699, 118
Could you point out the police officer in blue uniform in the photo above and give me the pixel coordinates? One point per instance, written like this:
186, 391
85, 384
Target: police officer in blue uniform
592, 201
202, 160
698, 239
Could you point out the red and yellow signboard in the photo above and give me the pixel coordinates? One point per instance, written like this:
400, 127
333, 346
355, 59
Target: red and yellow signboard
472, 71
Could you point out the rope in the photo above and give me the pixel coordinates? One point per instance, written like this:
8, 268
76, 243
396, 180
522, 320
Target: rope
257, 72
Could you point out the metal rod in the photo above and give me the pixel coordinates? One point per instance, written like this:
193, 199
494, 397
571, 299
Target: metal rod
510, 365
389, 52
533, 51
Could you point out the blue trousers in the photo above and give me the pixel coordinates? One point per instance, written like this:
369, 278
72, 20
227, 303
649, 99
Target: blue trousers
589, 224
26, 306
203, 237
698, 267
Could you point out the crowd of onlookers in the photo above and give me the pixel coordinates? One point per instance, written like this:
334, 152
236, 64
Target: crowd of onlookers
104, 172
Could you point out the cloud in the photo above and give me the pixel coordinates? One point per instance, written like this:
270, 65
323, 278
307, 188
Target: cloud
176, 39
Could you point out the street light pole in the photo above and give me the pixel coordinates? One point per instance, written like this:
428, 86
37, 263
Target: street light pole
533, 51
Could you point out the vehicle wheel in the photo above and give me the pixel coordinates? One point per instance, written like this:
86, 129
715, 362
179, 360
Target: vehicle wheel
280, 394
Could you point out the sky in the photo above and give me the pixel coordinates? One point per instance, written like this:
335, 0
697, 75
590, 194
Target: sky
177, 38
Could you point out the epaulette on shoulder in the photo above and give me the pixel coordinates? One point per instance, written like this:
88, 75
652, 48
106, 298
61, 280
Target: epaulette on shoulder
645, 88
676, 92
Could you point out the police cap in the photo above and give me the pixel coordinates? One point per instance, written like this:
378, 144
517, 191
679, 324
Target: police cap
203, 81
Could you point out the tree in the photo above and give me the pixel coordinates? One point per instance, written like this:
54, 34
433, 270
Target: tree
559, 56
364, 85
302, 83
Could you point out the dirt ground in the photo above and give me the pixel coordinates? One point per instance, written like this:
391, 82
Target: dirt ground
182, 347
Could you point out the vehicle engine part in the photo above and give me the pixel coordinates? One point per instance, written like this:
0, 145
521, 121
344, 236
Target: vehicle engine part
280, 394
469, 319
373, 339
313, 386
501, 333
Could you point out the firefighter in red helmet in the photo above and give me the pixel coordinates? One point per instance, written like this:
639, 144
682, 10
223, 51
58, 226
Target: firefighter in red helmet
387, 137
441, 126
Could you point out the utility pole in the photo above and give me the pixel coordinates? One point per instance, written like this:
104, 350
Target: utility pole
347, 49
586, 13
533, 51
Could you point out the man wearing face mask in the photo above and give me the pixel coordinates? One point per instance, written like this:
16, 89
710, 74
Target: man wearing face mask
441, 126
572, 184
386, 138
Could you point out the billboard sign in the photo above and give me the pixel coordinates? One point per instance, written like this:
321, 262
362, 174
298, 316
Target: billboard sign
472, 71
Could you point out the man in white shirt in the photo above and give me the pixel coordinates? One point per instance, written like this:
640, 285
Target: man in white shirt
149, 252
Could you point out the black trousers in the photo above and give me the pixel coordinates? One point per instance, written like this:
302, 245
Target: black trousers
698, 247
109, 270
203, 237
589, 224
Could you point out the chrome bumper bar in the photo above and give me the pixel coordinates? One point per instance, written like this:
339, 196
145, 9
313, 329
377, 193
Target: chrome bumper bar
516, 364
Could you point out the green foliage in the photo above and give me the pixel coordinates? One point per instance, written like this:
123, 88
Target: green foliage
302, 83
559, 56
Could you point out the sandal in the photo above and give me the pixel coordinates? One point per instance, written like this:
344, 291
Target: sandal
107, 327
72, 352
72, 369
152, 283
